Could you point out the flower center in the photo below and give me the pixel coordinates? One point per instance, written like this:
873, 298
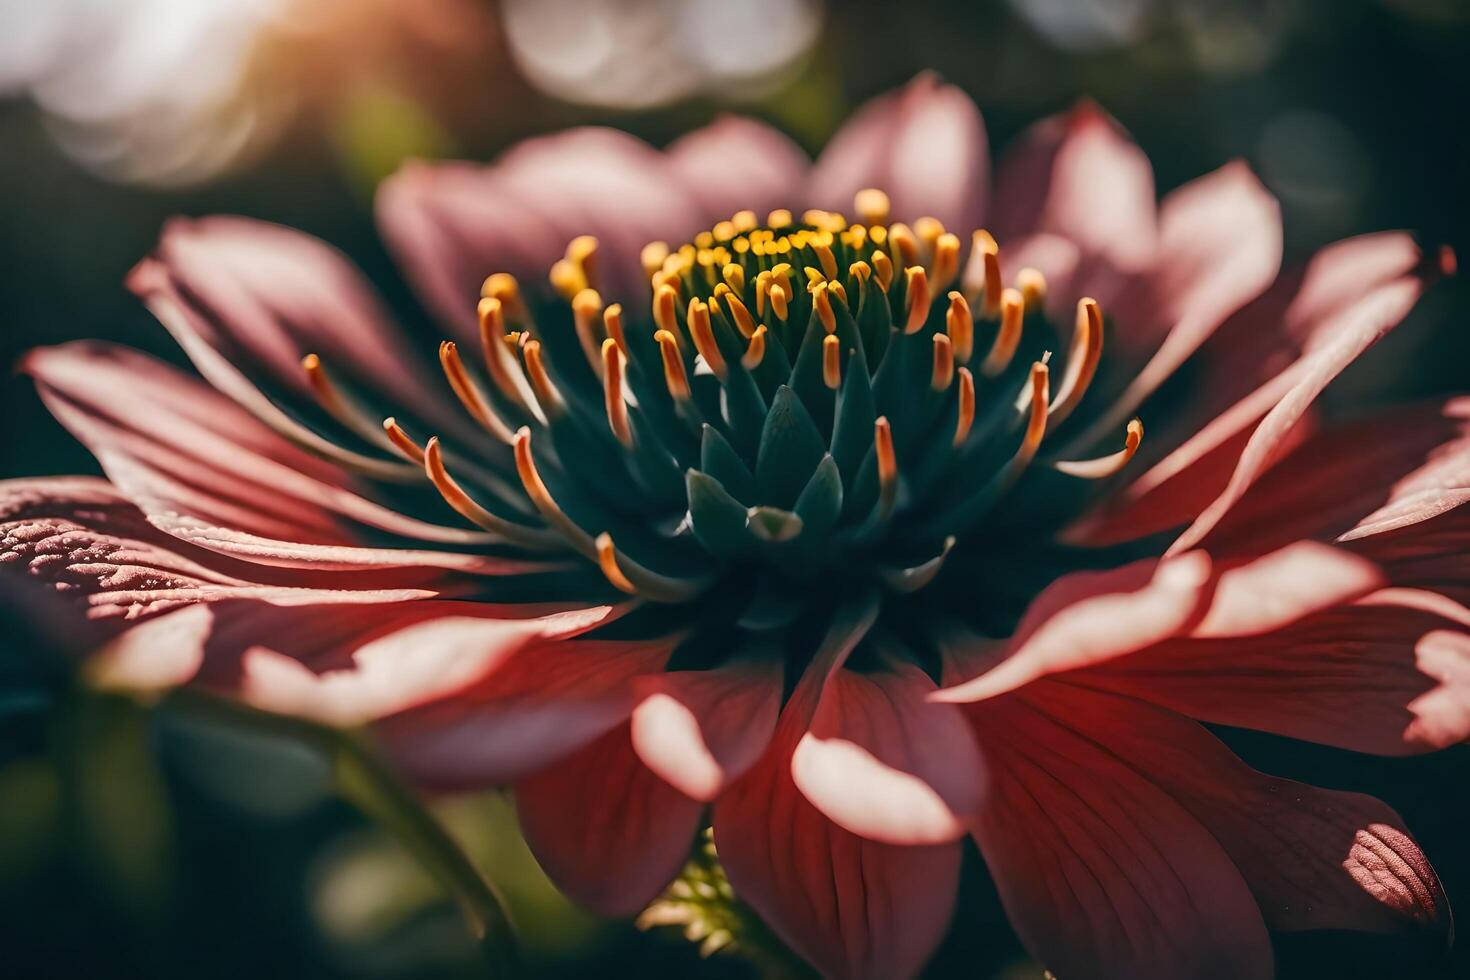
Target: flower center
805, 396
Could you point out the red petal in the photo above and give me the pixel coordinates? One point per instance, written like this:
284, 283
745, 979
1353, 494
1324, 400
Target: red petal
205, 470
606, 830
1314, 858
701, 729
538, 706
1389, 674
884, 763
1079, 175
924, 145
1101, 872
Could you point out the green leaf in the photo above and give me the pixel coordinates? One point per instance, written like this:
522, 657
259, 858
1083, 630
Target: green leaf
720, 460
791, 447
718, 519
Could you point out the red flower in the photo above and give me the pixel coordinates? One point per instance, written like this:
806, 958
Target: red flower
867, 574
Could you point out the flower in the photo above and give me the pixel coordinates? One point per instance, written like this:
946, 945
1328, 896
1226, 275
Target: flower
831, 538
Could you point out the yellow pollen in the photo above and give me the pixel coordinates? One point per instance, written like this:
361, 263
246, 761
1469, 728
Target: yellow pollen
762, 291
928, 229
756, 352
832, 361
724, 231
872, 206
743, 220
674, 375
617, 408
704, 338
665, 277
836, 288
567, 279
779, 218
1012, 311
918, 298
582, 253
878, 234
779, 299
704, 239
813, 276
828, 260
859, 271
967, 408
503, 286
961, 326
943, 373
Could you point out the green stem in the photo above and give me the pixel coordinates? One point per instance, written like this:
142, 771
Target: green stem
361, 778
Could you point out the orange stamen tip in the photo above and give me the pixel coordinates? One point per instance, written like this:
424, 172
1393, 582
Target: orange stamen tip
1033, 287
1012, 318
943, 373
756, 352
612, 381
704, 338
961, 326
946, 260
780, 299
779, 218
904, 244
918, 299
607, 560
883, 269
665, 305
831, 361
652, 257
612, 322
1106, 466
887, 461
860, 271
822, 303
674, 374
966, 417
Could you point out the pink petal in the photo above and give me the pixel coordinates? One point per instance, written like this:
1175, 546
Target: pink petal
83, 539
1082, 619
700, 730
736, 163
1101, 872
1219, 247
273, 295
1360, 326
925, 145
605, 829
1388, 673
884, 763
206, 471
1313, 858
450, 225
538, 706
1080, 176
851, 906
337, 657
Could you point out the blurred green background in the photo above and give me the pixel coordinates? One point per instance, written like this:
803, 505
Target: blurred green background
159, 842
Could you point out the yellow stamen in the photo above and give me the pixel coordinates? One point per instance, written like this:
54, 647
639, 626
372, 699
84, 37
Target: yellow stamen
743, 220
872, 206
546, 392
653, 257
762, 291
918, 298
961, 326
674, 374
586, 313
734, 276
823, 305
612, 322
946, 260
903, 244
744, 322
665, 309
836, 288
967, 408
779, 218
582, 253
669, 278
1033, 288
756, 352
567, 279
503, 368
943, 373
883, 269
859, 271
704, 338
469, 393
503, 286
1087, 341
828, 260
832, 361
1012, 316
723, 231
1106, 466
928, 229
813, 276
612, 385
780, 299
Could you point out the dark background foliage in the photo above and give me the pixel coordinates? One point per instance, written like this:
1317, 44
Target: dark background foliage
157, 843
